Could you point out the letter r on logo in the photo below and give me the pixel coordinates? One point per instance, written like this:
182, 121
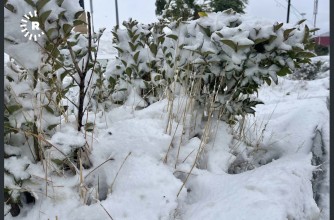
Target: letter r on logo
35, 25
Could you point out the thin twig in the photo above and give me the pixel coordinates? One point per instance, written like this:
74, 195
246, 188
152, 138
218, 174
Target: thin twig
112, 184
77, 68
47, 142
106, 212
99, 166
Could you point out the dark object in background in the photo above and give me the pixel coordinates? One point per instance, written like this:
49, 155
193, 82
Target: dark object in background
81, 2
321, 50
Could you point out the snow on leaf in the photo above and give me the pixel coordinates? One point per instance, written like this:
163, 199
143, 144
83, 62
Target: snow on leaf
17, 167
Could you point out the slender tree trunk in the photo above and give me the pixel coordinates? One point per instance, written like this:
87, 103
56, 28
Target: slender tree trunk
81, 101
35, 129
83, 74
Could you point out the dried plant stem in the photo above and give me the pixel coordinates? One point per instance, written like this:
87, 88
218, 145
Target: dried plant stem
99, 166
113, 182
46, 178
106, 212
200, 148
179, 147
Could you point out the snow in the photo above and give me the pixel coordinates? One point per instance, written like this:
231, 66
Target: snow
279, 190
17, 167
64, 142
135, 100
138, 166
135, 183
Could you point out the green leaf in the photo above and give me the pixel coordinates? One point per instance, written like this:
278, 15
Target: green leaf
79, 22
305, 54
297, 49
115, 36
135, 37
130, 33
287, 32
220, 34
153, 48
58, 65
314, 30
249, 110
89, 126
230, 44
135, 57
268, 81
31, 3
272, 38
121, 90
206, 30
161, 39
13, 108
64, 74
157, 77
202, 14
58, 162
41, 3
49, 109
50, 127
306, 34
132, 46
60, 2
310, 46
55, 53
119, 49
244, 46
44, 16
206, 53
260, 40
77, 15
173, 36
277, 26
283, 71
49, 32
124, 62
301, 21
10, 7
135, 67
128, 71
67, 28
61, 15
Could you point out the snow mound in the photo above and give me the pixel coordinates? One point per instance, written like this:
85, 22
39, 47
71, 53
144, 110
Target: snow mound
279, 190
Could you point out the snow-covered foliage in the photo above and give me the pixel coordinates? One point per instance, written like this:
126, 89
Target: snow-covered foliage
277, 184
148, 138
313, 70
40, 80
228, 55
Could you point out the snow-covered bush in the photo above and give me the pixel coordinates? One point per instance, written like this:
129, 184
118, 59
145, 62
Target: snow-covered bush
216, 63
229, 55
48, 78
310, 71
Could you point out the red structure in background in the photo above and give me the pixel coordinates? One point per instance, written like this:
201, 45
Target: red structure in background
322, 39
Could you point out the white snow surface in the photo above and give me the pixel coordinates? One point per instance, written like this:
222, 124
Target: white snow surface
279, 190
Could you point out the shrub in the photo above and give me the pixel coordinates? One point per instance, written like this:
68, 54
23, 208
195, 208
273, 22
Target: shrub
40, 81
310, 71
228, 55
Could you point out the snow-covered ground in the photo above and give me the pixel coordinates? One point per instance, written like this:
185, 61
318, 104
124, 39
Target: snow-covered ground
266, 174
